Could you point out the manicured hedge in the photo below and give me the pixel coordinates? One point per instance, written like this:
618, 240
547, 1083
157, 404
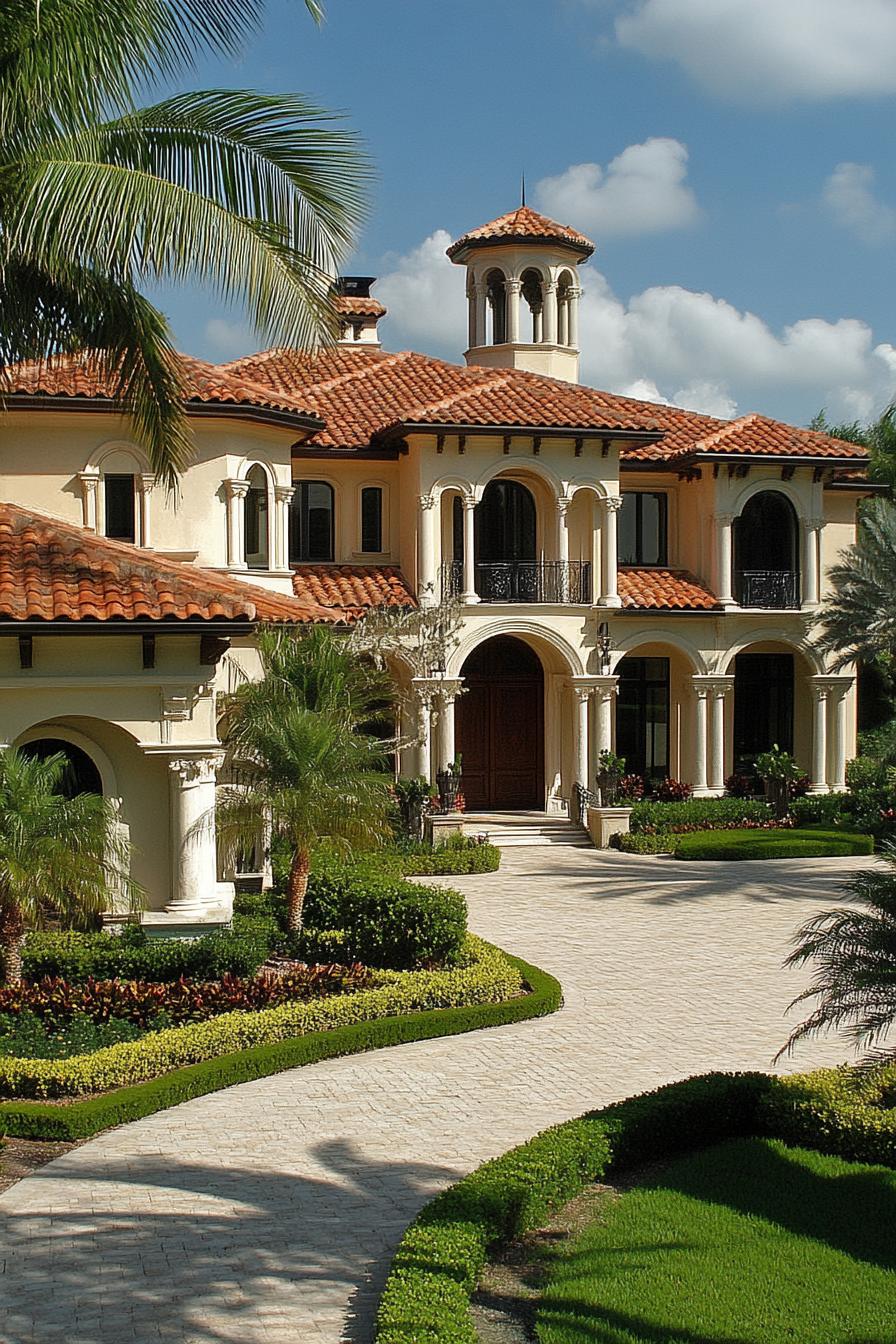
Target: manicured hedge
442, 1254
644, 842
779, 844
450, 861
703, 814
131, 955
80, 1119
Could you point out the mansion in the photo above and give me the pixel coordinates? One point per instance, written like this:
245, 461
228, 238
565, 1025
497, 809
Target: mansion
631, 576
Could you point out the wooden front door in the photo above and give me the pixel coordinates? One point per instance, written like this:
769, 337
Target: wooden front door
500, 727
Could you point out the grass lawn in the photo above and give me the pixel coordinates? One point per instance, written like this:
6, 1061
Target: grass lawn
796, 844
751, 1242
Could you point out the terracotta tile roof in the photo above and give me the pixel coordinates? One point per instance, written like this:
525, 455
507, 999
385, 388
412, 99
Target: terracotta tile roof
522, 225
354, 305
773, 438
54, 571
664, 590
352, 586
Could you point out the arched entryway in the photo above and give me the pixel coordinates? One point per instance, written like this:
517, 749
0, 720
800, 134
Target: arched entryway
80, 773
766, 560
500, 726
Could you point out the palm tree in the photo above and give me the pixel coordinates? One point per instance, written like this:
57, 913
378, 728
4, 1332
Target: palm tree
303, 752
253, 193
858, 619
855, 953
879, 437
57, 853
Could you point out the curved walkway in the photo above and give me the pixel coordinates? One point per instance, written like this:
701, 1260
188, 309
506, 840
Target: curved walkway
269, 1212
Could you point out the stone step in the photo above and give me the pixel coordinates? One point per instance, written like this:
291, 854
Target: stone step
510, 830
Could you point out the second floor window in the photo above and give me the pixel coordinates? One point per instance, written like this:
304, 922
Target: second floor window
371, 518
120, 520
256, 506
311, 522
643, 528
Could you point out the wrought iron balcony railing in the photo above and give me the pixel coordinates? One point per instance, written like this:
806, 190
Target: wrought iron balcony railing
531, 581
769, 588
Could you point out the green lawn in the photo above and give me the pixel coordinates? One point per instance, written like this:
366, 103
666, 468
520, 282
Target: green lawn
750, 1242
796, 844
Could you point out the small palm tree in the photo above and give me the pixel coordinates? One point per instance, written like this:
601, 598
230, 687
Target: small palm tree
303, 752
858, 619
855, 954
254, 194
56, 853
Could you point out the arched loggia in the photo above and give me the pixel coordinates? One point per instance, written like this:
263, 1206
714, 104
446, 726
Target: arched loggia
766, 552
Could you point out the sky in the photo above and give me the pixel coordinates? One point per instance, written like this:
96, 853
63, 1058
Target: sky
731, 160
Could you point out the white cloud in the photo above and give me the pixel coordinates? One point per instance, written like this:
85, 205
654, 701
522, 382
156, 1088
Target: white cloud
642, 190
227, 339
771, 50
849, 196
667, 344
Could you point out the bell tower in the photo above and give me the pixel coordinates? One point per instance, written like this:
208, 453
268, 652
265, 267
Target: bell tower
523, 293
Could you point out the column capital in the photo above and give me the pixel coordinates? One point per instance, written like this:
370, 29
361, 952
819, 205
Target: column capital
562, 504
814, 524
713, 683
724, 519
146, 481
89, 479
829, 684
582, 687
284, 493
196, 769
549, 287
427, 501
612, 503
236, 487
426, 689
449, 689
512, 285
469, 502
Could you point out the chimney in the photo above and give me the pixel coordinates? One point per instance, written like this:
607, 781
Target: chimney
357, 312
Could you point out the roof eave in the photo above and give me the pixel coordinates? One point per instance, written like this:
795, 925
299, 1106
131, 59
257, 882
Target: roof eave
230, 410
458, 251
400, 428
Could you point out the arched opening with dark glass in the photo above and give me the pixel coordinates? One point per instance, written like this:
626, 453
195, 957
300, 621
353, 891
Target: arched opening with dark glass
763, 707
506, 566
496, 303
500, 726
642, 717
256, 519
311, 518
533, 297
766, 552
80, 773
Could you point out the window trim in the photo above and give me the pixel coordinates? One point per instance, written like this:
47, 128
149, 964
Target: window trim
298, 484
665, 529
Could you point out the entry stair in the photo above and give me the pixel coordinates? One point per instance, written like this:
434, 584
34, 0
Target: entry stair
513, 829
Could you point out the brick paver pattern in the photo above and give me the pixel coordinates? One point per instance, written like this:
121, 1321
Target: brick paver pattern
269, 1212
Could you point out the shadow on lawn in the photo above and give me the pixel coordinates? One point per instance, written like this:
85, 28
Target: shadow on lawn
241, 1253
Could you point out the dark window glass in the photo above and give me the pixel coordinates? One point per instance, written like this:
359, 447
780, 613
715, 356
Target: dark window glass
311, 522
642, 528
371, 518
79, 774
457, 529
505, 524
256, 514
763, 706
120, 507
642, 717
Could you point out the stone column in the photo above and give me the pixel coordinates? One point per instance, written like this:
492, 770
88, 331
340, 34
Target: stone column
583, 695
563, 320
819, 782
723, 522
549, 320
427, 517
89, 482
236, 523
145, 483
838, 734
718, 689
810, 577
604, 694
449, 689
701, 693
194, 860
609, 597
563, 530
471, 314
470, 594
282, 497
424, 697
481, 313
512, 300
574, 296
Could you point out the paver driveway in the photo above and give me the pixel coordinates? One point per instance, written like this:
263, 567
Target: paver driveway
269, 1212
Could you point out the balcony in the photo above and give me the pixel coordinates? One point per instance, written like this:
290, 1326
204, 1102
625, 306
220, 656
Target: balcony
778, 588
532, 581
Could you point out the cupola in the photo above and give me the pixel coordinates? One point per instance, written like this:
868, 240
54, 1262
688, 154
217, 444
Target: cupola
523, 293
358, 313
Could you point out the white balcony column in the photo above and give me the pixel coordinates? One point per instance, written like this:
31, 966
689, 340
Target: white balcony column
282, 497
719, 689
811, 546
423, 692
236, 522
563, 530
470, 594
427, 519
563, 320
512, 301
471, 315
537, 326
449, 689
89, 482
609, 596
723, 522
481, 313
194, 860
574, 295
819, 783
604, 694
838, 735
549, 318
701, 694
582, 693
145, 482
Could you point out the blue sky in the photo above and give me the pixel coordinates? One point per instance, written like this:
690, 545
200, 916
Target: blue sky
731, 160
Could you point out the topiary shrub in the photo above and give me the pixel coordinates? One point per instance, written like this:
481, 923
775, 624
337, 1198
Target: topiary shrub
659, 842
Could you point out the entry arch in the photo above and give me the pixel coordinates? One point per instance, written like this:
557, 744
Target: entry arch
500, 726
56, 731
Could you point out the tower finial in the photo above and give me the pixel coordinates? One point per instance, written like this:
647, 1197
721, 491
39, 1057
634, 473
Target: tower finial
523, 189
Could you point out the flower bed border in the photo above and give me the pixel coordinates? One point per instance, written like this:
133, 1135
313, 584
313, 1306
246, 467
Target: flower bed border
81, 1119
441, 1256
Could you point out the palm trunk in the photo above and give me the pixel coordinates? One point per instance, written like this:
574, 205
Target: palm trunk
296, 886
12, 935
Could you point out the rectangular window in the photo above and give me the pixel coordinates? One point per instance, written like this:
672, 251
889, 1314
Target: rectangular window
643, 527
642, 717
311, 522
371, 518
120, 508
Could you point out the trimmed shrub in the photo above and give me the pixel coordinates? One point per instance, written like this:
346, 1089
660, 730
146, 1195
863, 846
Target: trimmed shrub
825, 809
131, 955
661, 842
461, 854
772, 844
703, 814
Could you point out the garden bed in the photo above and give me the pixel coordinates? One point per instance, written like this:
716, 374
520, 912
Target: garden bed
770, 844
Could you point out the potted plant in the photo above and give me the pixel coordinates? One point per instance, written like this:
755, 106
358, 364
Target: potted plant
610, 772
448, 781
777, 770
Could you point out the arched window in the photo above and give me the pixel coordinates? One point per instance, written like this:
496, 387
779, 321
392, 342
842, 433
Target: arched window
766, 550
256, 514
372, 518
506, 568
497, 306
119, 506
311, 519
533, 296
80, 774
